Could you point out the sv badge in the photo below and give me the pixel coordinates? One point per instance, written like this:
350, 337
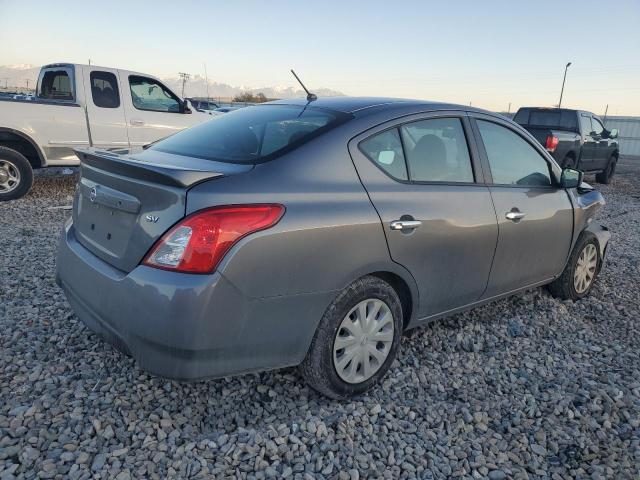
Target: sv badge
152, 218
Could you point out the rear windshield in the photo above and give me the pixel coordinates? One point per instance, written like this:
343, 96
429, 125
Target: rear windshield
252, 134
560, 119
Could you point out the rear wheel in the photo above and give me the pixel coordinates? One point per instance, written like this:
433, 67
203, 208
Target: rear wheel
16, 175
581, 270
356, 341
569, 162
607, 174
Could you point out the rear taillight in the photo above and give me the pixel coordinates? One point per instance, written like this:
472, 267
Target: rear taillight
552, 143
201, 240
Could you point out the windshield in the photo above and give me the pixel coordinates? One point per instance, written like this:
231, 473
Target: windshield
252, 134
559, 119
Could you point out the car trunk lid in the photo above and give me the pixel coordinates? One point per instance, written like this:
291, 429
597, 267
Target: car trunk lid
124, 203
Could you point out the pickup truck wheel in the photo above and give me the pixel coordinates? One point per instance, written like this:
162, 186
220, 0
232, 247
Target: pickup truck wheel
356, 340
16, 175
581, 270
607, 174
569, 162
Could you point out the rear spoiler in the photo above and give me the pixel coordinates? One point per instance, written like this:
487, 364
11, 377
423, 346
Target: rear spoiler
141, 170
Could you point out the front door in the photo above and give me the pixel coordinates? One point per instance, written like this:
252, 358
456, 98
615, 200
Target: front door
105, 109
535, 216
154, 111
601, 153
437, 215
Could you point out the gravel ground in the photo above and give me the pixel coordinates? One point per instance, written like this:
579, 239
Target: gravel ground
528, 387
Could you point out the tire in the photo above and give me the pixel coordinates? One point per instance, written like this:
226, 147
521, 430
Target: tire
607, 174
321, 368
566, 286
569, 162
16, 174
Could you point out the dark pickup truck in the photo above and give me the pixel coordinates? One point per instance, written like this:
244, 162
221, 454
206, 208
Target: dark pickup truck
575, 138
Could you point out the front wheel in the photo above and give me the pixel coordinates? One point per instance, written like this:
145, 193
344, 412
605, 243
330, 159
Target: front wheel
607, 174
16, 175
581, 270
356, 340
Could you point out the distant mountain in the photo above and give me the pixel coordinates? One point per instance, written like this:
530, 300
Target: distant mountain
17, 76
197, 87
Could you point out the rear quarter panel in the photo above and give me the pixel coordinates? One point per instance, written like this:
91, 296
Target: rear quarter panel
329, 235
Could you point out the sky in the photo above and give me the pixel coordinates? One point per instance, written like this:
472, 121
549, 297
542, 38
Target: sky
490, 53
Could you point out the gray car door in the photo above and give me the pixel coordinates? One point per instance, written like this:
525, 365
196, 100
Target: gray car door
436, 212
535, 216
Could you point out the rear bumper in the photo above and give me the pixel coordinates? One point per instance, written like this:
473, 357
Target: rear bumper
186, 327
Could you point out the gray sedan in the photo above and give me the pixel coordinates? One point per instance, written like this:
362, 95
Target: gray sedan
316, 233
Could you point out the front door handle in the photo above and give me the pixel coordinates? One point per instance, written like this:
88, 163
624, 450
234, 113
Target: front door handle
135, 121
514, 215
405, 224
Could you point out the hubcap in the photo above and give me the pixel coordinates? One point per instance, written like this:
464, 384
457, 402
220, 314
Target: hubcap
9, 176
586, 268
363, 341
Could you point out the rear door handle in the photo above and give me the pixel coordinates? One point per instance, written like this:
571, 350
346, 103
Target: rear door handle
405, 224
135, 121
514, 215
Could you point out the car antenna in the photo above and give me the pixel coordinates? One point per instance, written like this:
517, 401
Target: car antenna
310, 96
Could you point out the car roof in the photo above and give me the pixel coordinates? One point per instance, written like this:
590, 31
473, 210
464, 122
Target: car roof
358, 105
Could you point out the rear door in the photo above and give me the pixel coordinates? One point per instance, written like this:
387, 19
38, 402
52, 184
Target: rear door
588, 142
436, 213
535, 216
153, 111
601, 150
105, 109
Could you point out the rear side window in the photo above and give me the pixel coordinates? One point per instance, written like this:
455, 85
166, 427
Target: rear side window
149, 94
104, 90
252, 134
437, 151
56, 84
385, 150
512, 160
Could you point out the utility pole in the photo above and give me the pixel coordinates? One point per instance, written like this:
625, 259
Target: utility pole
509, 110
89, 62
184, 77
563, 80
27, 80
605, 112
206, 79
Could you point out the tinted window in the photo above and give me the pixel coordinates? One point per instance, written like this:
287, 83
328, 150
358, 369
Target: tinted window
104, 90
252, 134
385, 150
559, 119
513, 161
437, 151
149, 94
56, 84
585, 124
597, 126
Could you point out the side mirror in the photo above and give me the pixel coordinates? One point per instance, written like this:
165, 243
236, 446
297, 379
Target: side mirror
571, 178
185, 106
613, 133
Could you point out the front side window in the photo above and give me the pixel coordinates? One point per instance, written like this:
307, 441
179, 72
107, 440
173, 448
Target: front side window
149, 94
56, 84
512, 160
597, 126
104, 90
252, 134
385, 150
585, 124
436, 151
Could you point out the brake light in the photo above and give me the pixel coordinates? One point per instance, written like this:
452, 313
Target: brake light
552, 143
201, 240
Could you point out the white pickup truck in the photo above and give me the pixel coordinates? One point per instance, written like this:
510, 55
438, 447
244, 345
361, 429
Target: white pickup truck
81, 106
